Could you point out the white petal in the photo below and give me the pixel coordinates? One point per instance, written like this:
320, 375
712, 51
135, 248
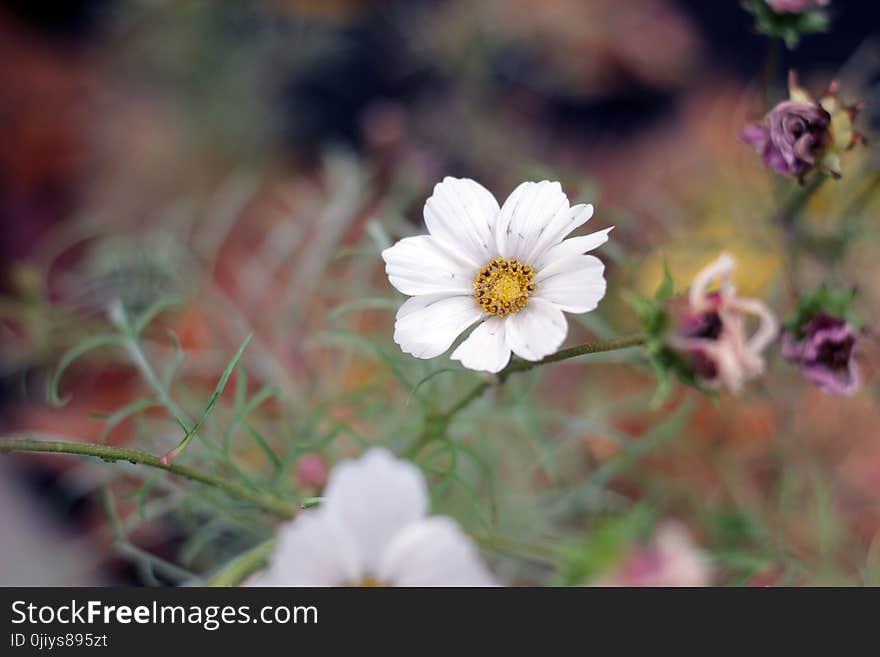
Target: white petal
427, 325
575, 284
313, 550
571, 247
420, 265
460, 213
537, 330
434, 552
719, 270
560, 226
528, 212
373, 498
768, 327
485, 349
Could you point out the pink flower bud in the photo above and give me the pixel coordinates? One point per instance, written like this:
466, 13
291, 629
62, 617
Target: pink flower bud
312, 471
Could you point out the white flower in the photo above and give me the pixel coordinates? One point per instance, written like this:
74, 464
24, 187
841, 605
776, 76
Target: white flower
372, 529
509, 268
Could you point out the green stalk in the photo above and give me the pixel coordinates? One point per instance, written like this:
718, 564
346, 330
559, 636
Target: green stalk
271, 505
235, 571
436, 424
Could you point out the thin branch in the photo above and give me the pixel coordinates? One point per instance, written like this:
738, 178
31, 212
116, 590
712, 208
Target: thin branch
246, 563
271, 505
436, 424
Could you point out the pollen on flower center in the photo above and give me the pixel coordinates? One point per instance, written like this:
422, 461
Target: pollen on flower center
370, 582
503, 286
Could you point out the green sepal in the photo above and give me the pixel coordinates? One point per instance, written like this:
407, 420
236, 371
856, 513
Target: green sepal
836, 302
789, 27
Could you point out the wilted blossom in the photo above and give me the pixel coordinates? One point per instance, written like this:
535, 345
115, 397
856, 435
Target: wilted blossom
825, 354
796, 6
713, 330
670, 559
801, 135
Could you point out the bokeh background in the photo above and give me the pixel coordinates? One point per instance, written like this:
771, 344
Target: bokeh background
253, 158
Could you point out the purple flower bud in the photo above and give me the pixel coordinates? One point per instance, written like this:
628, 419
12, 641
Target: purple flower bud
796, 6
792, 136
825, 354
801, 134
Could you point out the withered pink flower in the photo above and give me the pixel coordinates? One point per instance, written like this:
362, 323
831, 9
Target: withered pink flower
801, 135
791, 137
796, 6
825, 354
713, 331
670, 559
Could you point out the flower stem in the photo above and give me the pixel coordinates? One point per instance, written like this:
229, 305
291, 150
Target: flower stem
771, 70
436, 424
573, 352
787, 217
799, 198
271, 505
235, 571
530, 551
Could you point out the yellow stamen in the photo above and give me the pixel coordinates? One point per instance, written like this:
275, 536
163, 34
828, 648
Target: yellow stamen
503, 286
371, 582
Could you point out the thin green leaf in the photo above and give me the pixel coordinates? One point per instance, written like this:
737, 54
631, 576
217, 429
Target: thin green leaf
118, 417
158, 306
221, 385
75, 352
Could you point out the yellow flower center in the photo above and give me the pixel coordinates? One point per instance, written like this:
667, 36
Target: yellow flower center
503, 286
370, 582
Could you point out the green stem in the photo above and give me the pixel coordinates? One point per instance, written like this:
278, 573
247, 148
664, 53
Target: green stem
799, 198
787, 217
530, 551
235, 571
271, 505
436, 425
573, 352
771, 70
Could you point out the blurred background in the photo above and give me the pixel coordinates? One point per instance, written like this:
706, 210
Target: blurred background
252, 159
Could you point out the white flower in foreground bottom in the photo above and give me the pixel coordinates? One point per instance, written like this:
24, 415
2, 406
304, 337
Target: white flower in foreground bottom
372, 529
508, 267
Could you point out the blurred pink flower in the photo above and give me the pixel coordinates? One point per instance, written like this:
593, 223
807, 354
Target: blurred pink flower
670, 559
312, 471
713, 331
796, 6
825, 354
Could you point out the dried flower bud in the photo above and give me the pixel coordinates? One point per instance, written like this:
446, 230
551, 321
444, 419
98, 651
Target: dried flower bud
824, 353
801, 135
